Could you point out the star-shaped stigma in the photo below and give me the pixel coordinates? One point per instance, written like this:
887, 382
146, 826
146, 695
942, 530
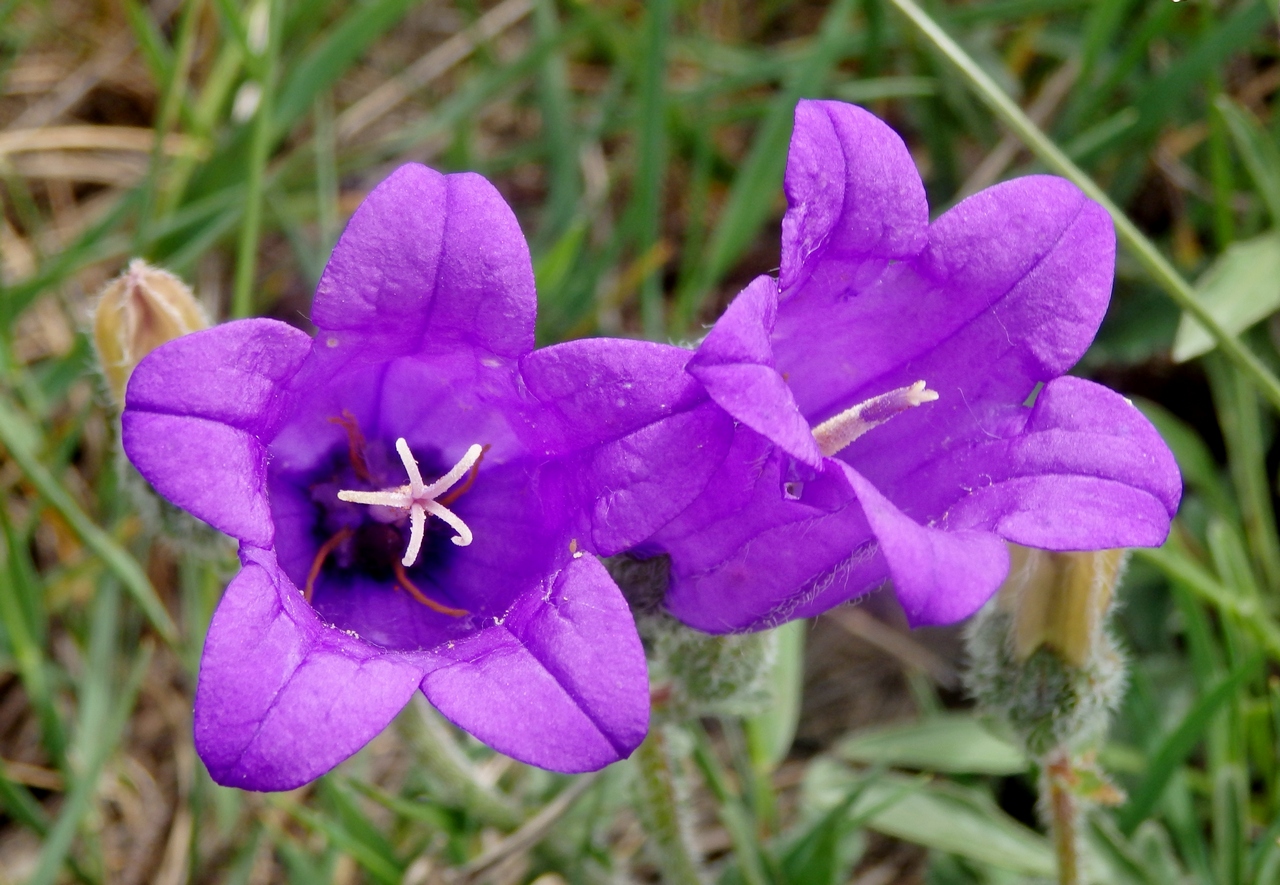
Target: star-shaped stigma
419, 499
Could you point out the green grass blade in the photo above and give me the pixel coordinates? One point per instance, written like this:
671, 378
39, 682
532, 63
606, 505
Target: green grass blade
1145, 251
1177, 746
652, 159
26, 639
756, 188
259, 152
378, 866
79, 801
1258, 150
115, 557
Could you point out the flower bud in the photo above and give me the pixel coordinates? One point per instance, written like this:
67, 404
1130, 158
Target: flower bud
1059, 600
693, 673
1041, 656
137, 312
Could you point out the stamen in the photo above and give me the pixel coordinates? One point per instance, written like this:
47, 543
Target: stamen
355, 444
403, 580
836, 433
318, 563
419, 499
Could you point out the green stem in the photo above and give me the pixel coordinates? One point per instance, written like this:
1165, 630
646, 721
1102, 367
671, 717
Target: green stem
453, 772
1052, 156
661, 814
260, 149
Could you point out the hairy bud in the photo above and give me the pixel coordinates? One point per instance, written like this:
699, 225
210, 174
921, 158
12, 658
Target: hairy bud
137, 312
1041, 655
692, 673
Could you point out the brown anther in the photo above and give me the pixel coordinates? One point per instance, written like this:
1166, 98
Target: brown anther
355, 444
318, 563
403, 580
458, 491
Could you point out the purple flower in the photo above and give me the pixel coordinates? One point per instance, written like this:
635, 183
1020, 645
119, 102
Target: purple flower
883, 388
416, 494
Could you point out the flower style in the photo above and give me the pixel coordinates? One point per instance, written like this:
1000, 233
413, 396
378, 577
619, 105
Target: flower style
901, 400
416, 494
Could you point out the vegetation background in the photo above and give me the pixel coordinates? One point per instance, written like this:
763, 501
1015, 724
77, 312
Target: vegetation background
642, 146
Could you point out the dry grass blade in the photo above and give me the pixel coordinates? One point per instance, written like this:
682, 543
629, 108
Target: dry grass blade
134, 139
432, 65
531, 833
911, 653
1046, 104
31, 775
76, 85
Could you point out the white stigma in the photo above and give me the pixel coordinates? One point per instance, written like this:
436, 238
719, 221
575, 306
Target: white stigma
836, 433
419, 499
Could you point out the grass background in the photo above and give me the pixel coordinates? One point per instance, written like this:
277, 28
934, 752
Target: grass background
642, 146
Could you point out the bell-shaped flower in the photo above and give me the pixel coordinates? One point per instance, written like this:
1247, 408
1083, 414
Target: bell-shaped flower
418, 496
901, 400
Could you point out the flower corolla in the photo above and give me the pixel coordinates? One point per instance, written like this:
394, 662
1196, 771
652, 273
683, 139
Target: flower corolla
418, 494
900, 400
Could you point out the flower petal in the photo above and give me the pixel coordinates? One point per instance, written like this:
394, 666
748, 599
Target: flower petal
541, 685
282, 698
735, 365
1009, 293
198, 411
426, 262
636, 439
746, 557
855, 199
940, 577
1087, 472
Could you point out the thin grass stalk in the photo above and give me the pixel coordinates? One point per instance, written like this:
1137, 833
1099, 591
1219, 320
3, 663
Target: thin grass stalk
251, 225
172, 98
652, 161
1148, 255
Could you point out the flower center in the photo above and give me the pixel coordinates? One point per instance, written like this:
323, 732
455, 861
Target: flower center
419, 499
836, 433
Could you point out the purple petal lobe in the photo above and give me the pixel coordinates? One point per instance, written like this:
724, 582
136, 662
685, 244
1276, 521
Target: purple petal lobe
634, 435
282, 697
854, 194
211, 470
746, 556
1009, 293
560, 682
198, 411
426, 262
940, 577
1087, 472
735, 365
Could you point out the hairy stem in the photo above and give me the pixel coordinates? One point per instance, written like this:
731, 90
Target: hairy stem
661, 813
1063, 818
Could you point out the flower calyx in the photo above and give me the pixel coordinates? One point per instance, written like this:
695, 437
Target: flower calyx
419, 498
837, 432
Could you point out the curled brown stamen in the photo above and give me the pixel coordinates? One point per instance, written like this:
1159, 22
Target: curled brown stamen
403, 580
355, 444
458, 491
318, 563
